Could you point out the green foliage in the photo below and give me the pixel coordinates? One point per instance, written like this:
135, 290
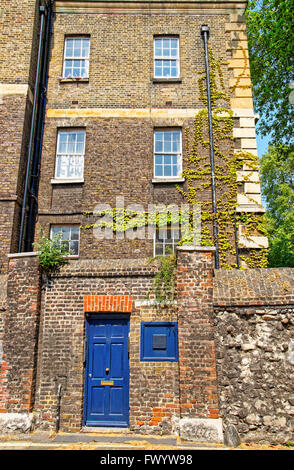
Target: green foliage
277, 177
52, 253
164, 282
271, 42
197, 172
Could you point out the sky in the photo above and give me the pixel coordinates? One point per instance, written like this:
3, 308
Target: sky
262, 144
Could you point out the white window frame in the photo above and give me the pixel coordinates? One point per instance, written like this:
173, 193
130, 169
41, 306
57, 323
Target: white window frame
166, 58
163, 243
80, 58
68, 155
70, 227
178, 154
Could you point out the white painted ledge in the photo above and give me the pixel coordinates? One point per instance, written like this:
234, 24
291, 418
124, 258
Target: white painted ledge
66, 181
25, 254
168, 180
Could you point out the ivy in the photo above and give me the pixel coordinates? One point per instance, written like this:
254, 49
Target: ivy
227, 164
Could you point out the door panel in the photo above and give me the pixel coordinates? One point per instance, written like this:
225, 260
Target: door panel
107, 372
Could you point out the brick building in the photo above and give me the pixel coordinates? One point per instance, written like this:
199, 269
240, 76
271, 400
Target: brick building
107, 111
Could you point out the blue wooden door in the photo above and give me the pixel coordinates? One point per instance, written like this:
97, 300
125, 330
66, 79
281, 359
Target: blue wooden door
107, 372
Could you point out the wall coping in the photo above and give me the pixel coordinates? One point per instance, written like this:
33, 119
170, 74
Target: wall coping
196, 248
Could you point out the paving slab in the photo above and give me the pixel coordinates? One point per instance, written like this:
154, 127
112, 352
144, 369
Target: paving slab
78, 437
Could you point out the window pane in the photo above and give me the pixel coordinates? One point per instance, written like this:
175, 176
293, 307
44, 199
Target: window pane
158, 159
85, 48
158, 146
174, 43
71, 143
158, 249
166, 71
74, 247
167, 146
167, 159
167, 171
68, 47
158, 170
158, 47
77, 48
159, 136
56, 230
75, 232
174, 72
175, 170
176, 146
65, 233
166, 44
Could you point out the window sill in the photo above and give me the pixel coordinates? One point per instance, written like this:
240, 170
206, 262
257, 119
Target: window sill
73, 80
67, 181
167, 80
168, 180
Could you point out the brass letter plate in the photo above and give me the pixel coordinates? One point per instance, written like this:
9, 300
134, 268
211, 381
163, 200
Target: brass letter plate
106, 382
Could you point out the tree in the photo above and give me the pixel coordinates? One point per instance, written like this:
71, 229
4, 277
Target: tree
277, 177
271, 44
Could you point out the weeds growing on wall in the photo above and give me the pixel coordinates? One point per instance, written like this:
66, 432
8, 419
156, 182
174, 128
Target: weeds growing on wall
52, 253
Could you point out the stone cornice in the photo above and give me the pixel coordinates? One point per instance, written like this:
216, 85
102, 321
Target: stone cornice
156, 6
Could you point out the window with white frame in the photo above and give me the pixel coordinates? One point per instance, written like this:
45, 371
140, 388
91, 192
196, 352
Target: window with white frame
70, 154
76, 57
166, 57
69, 237
167, 153
166, 240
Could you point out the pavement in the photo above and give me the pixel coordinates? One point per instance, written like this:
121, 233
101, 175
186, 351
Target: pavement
41, 440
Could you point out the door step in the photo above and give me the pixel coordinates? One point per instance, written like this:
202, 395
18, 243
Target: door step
102, 430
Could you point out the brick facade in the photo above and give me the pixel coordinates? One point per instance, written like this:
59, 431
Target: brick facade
121, 104
18, 49
43, 321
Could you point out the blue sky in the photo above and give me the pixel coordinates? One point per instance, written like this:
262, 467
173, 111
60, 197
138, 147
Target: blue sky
262, 144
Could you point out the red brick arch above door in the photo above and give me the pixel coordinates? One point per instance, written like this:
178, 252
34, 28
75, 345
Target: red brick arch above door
107, 303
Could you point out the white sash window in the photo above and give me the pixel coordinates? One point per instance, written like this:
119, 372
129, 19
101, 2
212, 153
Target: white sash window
70, 154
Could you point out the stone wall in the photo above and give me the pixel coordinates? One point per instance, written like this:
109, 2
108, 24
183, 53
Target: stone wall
254, 326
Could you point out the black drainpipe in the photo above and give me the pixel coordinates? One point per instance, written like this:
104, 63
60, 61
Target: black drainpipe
205, 35
35, 173
36, 124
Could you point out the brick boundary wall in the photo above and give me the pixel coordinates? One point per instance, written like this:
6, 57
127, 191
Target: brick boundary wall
236, 346
21, 332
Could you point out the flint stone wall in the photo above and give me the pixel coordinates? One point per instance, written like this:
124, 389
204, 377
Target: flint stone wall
254, 333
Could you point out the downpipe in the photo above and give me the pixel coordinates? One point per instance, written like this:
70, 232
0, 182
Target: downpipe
32, 132
205, 35
36, 163
59, 394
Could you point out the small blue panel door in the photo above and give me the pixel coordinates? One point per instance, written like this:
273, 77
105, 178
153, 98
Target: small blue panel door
107, 372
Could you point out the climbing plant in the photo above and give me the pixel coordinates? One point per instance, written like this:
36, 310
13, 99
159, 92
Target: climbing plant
197, 173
